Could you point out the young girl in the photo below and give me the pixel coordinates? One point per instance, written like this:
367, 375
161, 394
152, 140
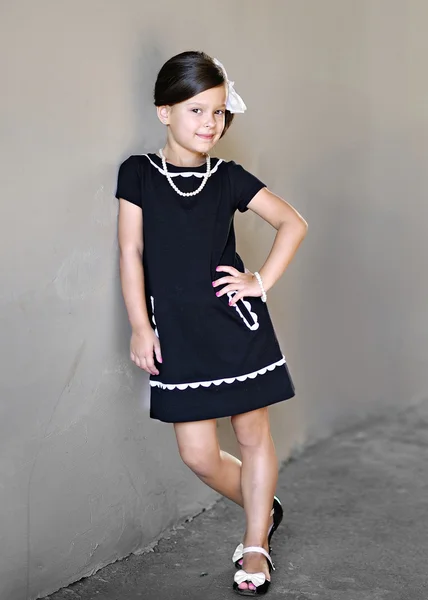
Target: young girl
200, 324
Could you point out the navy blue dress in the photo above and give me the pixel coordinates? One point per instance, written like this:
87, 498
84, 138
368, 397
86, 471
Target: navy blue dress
218, 360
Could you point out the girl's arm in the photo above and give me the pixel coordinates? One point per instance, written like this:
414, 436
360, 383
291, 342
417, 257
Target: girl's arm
130, 237
291, 229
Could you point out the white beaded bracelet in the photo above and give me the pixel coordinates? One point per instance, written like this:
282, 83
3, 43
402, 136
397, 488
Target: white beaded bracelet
259, 279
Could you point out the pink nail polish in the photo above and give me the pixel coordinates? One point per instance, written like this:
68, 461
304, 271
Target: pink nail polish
213, 283
217, 293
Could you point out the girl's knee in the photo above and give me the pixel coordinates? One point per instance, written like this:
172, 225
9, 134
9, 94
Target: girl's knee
198, 446
202, 461
252, 429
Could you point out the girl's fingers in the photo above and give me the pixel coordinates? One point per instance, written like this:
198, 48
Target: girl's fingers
243, 293
144, 365
158, 354
229, 269
223, 280
151, 365
233, 287
236, 297
143, 351
141, 362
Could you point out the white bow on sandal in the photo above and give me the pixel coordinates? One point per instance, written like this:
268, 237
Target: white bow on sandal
257, 579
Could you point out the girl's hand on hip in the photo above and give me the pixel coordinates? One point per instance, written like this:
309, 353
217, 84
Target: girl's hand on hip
244, 284
143, 347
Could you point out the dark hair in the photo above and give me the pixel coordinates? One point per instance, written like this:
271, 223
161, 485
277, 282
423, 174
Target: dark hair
186, 75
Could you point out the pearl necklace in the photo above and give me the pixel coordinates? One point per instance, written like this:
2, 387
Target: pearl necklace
172, 184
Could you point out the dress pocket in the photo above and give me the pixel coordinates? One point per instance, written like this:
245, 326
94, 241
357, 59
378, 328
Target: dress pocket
244, 309
152, 300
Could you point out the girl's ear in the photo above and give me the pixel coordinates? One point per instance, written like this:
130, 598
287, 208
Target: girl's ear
163, 114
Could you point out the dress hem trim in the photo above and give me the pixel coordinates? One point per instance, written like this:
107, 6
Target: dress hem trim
196, 384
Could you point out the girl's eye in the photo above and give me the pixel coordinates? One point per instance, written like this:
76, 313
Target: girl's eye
198, 111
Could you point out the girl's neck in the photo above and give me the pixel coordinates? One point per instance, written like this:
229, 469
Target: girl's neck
180, 157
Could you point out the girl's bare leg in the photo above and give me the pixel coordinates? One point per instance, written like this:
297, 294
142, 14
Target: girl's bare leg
259, 476
200, 451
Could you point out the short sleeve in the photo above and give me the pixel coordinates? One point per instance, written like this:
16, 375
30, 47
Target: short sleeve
129, 181
245, 186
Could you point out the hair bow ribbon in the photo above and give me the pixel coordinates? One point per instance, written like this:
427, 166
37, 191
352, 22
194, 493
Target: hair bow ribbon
234, 102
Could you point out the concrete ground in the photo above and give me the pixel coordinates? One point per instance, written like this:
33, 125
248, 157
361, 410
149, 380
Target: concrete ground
355, 528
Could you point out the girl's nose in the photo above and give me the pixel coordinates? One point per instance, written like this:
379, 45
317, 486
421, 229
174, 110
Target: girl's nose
210, 122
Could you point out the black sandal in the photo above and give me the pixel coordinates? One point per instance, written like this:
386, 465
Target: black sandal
257, 579
278, 514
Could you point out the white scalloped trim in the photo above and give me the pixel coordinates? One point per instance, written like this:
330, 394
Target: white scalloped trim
196, 384
183, 173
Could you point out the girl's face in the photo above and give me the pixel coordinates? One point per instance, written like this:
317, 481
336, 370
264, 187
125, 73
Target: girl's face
197, 124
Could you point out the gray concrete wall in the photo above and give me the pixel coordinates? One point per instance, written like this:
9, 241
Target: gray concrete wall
337, 124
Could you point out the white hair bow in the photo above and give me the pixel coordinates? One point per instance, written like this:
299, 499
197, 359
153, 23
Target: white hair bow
234, 102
